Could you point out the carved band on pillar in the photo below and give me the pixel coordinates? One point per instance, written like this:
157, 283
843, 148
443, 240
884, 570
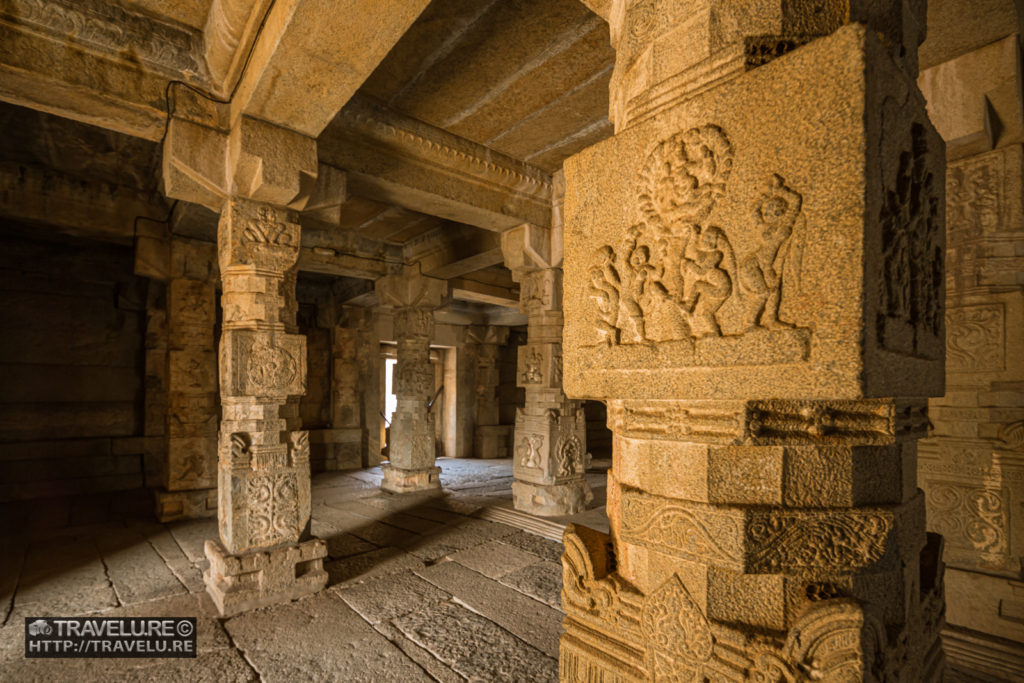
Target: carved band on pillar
264, 554
758, 294
411, 447
550, 439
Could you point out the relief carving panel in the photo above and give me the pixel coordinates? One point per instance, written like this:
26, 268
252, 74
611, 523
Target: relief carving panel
677, 278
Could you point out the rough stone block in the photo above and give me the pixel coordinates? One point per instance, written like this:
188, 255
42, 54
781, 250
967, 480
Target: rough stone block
238, 583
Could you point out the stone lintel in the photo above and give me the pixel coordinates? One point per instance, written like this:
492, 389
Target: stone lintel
238, 583
303, 49
96, 210
393, 158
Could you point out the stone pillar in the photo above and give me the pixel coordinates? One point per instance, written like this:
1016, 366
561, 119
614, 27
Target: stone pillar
190, 473
181, 370
258, 175
347, 434
490, 437
412, 299
972, 468
550, 442
753, 284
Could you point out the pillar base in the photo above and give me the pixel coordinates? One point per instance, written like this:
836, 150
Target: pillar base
552, 500
191, 504
238, 583
398, 480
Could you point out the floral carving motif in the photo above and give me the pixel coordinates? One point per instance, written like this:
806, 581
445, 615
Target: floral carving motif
676, 272
912, 257
970, 517
273, 509
658, 522
975, 338
676, 629
270, 368
795, 541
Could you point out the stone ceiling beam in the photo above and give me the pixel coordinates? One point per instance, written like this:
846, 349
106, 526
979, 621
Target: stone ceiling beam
97, 210
311, 56
395, 159
454, 250
465, 289
94, 62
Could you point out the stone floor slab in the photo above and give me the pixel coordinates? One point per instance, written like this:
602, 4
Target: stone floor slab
319, 638
541, 581
494, 559
386, 597
368, 565
475, 647
529, 619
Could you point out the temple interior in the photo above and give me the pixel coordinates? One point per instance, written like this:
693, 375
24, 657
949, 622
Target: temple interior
516, 340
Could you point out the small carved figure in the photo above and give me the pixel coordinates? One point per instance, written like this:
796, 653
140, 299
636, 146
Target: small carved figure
761, 273
706, 284
604, 290
528, 450
637, 270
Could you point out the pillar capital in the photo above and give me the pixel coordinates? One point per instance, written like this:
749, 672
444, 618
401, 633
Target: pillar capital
410, 289
251, 159
668, 50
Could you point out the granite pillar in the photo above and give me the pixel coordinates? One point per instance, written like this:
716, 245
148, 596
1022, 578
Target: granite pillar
490, 437
259, 175
550, 448
412, 299
757, 295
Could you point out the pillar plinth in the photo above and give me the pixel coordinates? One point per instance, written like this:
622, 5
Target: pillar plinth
760, 304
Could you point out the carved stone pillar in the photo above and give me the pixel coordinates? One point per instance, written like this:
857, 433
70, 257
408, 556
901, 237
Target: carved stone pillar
550, 442
490, 437
264, 554
756, 292
411, 447
972, 467
190, 474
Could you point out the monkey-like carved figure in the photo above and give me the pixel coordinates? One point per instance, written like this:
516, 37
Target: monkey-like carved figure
761, 272
604, 290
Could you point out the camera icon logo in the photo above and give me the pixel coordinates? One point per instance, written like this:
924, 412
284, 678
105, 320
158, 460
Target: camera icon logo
40, 627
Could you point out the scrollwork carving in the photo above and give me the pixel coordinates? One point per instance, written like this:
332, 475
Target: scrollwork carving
273, 509
787, 542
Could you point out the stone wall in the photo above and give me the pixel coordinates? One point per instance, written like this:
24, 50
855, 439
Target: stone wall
71, 386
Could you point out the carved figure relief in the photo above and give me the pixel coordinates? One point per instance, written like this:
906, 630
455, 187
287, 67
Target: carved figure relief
975, 338
568, 456
528, 450
270, 368
677, 272
912, 259
533, 372
273, 509
298, 450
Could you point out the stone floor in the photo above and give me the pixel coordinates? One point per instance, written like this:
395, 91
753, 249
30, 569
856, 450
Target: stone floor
421, 588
